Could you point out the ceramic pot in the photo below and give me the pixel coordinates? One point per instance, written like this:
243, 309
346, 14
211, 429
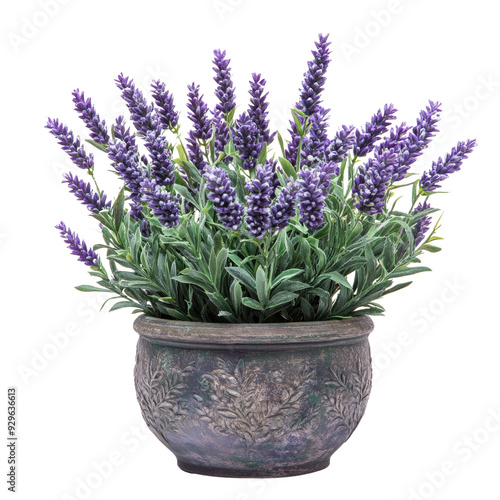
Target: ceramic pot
253, 400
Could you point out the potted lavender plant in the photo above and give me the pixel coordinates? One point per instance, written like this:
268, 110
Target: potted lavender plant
255, 263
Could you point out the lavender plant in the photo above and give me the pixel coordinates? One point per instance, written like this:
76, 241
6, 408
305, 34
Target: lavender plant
232, 227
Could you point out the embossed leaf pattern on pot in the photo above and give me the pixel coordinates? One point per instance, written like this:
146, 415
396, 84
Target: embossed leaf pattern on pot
235, 403
346, 401
159, 393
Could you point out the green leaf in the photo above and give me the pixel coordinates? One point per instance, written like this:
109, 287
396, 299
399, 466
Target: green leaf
98, 145
261, 285
281, 143
430, 248
243, 277
90, 288
179, 180
281, 298
296, 119
252, 304
334, 276
184, 192
285, 275
291, 286
263, 155
122, 304
397, 287
288, 168
219, 266
388, 254
407, 271
236, 296
118, 208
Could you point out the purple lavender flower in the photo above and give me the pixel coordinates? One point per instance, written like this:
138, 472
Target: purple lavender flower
123, 134
443, 168
162, 204
275, 181
261, 190
372, 181
225, 87
169, 118
417, 140
310, 94
284, 209
337, 149
82, 190
124, 155
195, 152
126, 163
247, 141
423, 224
87, 112
311, 199
72, 146
141, 113
162, 166
78, 247
325, 171
225, 97
258, 108
314, 146
365, 139
394, 139
202, 129
223, 195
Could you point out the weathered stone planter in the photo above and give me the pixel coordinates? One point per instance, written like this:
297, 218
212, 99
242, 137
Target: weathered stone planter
253, 400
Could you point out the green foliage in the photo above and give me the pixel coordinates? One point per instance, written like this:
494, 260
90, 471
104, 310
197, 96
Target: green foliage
201, 271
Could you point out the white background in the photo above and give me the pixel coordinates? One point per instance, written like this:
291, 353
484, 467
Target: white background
436, 352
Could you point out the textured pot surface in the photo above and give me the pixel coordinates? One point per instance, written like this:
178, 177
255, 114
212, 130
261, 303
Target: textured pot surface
253, 400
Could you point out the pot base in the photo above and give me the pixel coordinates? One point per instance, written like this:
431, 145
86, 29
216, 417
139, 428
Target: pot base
291, 470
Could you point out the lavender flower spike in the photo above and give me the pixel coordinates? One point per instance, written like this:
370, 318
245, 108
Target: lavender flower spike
162, 204
310, 94
325, 171
72, 146
311, 199
202, 129
169, 118
225, 97
195, 152
124, 154
443, 168
225, 87
87, 112
417, 140
141, 113
78, 247
423, 224
222, 194
261, 189
337, 149
284, 209
378, 125
247, 141
82, 190
372, 181
162, 165
258, 107
314, 146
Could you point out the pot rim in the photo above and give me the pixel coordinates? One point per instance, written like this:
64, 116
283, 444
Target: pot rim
257, 336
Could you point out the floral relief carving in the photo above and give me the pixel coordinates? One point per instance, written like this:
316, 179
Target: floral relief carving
160, 396
345, 403
234, 401
242, 400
